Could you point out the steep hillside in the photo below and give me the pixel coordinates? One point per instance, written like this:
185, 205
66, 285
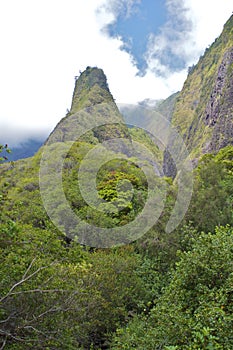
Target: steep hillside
203, 112
166, 107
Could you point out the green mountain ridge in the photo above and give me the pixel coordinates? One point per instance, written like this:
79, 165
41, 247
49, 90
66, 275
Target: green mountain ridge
203, 112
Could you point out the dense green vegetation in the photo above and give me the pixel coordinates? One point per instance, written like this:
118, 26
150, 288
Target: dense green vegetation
194, 310
165, 291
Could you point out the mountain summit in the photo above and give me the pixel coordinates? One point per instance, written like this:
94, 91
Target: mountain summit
90, 89
94, 116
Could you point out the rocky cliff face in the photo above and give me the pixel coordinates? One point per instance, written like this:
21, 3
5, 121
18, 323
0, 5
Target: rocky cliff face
204, 107
203, 112
219, 110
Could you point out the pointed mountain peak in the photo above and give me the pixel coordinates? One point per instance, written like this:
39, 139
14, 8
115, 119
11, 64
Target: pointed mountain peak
94, 115
90, 88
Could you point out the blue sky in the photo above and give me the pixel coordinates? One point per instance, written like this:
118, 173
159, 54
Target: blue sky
146, 17
144, 47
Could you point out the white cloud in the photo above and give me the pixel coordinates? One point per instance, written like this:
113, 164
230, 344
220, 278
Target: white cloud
192, 25
208, 19
14, 136
44, 44
168, 44
125, 8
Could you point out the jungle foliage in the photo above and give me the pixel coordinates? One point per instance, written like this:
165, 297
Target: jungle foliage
164, 291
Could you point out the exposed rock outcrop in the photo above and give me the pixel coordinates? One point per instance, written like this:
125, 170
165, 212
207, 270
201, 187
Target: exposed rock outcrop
203, 112
219, 110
